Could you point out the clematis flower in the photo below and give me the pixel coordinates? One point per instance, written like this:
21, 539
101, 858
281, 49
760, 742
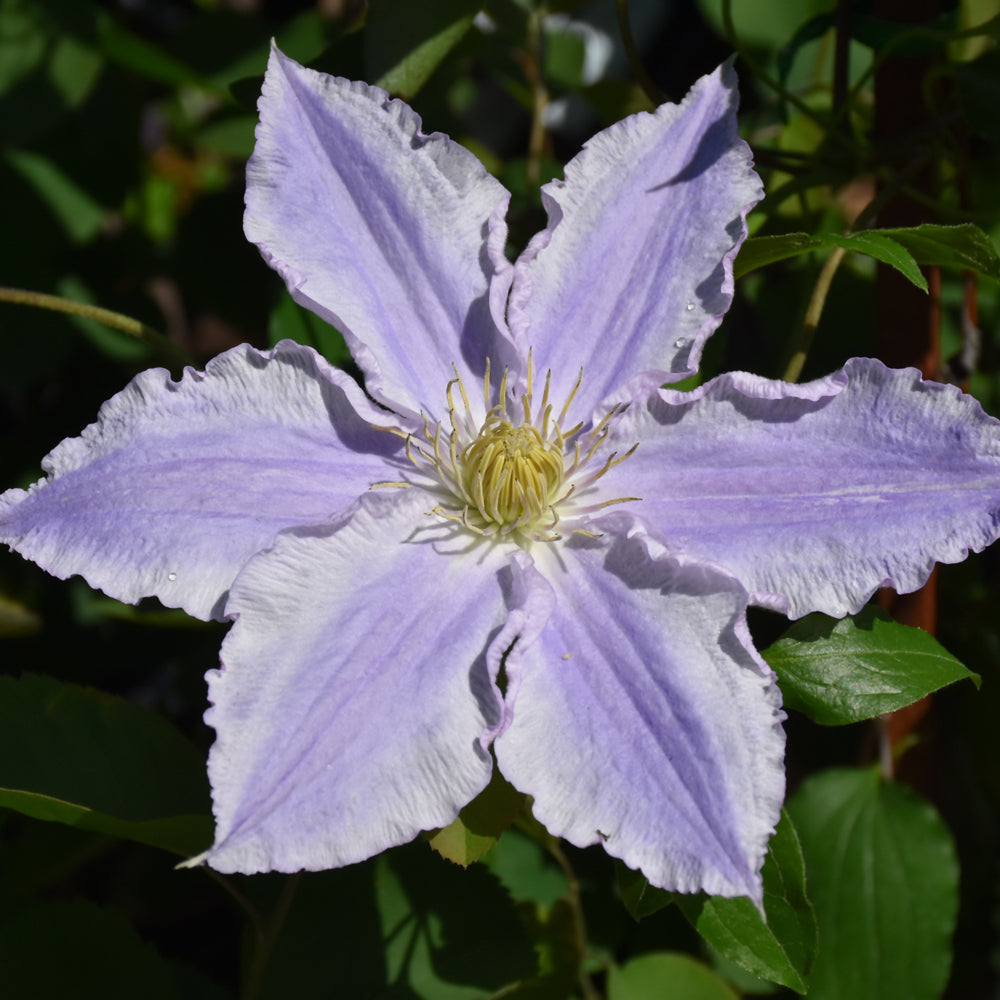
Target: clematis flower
513, 542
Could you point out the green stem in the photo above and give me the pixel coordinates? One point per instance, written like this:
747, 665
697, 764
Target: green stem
242, 902
532, 65
575, 900
634, 58
806, 333
267, 937
117, 321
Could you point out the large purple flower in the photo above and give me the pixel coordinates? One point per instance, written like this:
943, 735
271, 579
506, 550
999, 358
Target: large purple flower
523, 544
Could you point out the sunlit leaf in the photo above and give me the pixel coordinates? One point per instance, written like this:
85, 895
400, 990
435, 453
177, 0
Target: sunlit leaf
781, 949
662, 974
478, 826
526, 870
883, 876
880, 245
965, 246
842, 671
759, 251
448, 934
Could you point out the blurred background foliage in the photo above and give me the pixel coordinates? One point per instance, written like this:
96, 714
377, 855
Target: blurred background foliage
124, 130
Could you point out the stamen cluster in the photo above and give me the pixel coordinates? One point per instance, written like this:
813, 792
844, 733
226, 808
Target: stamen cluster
513, 474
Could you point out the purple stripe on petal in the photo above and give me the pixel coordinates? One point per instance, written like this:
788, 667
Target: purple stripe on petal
177, 484
815, 495
355, 691
644, 719
393, 236
634, 271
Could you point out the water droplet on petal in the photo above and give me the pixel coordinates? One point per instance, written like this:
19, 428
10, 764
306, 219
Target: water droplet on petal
690, 307
681, 342
171, 577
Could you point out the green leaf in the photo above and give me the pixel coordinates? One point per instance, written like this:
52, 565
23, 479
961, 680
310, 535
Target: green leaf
148, 60
478, 826
79, 949
405, 42
877, 244
24, 38
965, 246
77, 756
639, 897
661, 974
564, 58
759, 251
846, 670
782, 949
112, 343
526, 870
232, 136
73, 69
16, 619
883, 876
434, 942
80, 215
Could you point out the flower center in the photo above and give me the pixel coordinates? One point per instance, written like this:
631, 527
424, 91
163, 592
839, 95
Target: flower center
514, 474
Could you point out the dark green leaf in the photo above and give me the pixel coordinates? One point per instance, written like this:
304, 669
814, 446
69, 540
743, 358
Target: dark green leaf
145, 58
79, 949
478, 826
782, 949
78, 213
553, 931
884, 879
91, 760
114, 344
330, 933
405, 42
16, 618
666, 974
24, 38
839, 671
